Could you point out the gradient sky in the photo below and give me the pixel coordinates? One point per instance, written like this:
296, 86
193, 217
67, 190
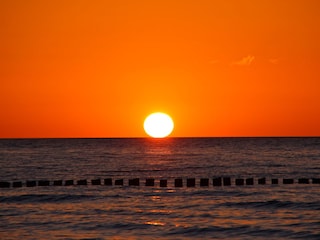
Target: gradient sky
218, 67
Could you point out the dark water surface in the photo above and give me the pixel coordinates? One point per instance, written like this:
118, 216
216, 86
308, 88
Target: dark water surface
128, 212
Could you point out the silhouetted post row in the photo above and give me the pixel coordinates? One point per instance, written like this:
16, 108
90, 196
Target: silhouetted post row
151, 182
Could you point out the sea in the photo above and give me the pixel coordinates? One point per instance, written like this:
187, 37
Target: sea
268, 208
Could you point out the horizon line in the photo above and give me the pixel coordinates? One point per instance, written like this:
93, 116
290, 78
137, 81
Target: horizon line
284, 136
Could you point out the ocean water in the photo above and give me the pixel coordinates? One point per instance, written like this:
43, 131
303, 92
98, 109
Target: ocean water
269, 211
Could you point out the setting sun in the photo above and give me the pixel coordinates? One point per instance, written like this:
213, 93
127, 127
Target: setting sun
158, 125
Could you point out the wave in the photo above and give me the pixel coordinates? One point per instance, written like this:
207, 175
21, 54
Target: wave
238, 232
45, 198
275, 204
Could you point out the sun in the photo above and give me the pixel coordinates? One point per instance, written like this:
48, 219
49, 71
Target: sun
158, 125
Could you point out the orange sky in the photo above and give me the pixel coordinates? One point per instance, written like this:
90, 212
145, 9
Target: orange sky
218, 67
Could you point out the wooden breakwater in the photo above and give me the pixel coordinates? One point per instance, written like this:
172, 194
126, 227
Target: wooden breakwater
153, 182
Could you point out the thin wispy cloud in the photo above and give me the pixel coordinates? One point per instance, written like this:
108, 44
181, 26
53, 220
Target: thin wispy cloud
274, 60
246, 61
